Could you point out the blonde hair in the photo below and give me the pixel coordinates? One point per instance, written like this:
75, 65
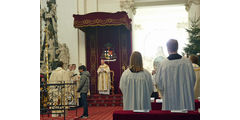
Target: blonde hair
136, 64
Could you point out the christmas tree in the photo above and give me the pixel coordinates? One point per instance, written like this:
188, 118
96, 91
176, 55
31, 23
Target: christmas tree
193, 47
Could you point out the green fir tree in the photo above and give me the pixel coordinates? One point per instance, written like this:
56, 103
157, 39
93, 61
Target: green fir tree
193, 47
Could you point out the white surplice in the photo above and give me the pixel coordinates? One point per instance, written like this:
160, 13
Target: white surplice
136, 89
59, 75
175, 80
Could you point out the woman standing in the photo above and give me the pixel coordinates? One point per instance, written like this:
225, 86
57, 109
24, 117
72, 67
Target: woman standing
136, 85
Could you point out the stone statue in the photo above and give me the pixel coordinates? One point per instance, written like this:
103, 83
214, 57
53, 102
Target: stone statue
52, 19
48, 22
53, 16
63, 52
43, 68
51, 50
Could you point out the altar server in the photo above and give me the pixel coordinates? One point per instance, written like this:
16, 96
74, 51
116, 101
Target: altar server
175, 78
136, 85
59, 75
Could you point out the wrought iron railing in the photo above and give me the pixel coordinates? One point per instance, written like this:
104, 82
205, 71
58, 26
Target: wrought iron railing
56, 98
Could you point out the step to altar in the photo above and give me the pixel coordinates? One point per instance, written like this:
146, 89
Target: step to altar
105, 100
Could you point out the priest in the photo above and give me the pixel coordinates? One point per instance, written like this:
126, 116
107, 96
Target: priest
104, 79
58, 76
175, 79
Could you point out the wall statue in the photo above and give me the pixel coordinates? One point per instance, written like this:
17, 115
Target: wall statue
56, 51
64, 55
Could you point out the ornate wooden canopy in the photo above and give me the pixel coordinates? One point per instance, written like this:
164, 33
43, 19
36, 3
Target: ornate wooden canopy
102, 19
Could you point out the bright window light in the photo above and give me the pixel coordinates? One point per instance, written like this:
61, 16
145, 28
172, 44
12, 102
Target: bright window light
154, 26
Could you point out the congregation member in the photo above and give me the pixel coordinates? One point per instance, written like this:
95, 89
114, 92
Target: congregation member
175, 79
83, 89
196, 67
59, 75
104, 79
136, 85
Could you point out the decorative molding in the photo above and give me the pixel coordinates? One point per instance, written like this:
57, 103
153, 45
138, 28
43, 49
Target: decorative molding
158, 3
189, 3
128, 6
102, 19
137, 27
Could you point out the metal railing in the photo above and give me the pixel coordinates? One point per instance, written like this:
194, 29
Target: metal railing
60, 97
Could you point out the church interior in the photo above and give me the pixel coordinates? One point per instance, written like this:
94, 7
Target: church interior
100, 36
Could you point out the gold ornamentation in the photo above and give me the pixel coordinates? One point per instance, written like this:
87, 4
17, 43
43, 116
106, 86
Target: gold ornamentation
46, 52
100, 22
112, 82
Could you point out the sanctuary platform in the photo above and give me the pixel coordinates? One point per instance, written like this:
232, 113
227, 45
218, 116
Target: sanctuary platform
105, 100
